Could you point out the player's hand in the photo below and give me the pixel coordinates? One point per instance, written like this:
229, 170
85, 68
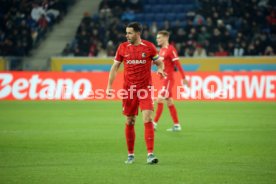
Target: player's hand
185, 83
162, 73
108, 91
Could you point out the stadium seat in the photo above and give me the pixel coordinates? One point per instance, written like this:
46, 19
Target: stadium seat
152, 2
181, 16
149, 16
158, 8
139, 17
170, 16
178, 9
147, 8
162, 1
159, 17
188, 7
168, 8
173, 1
160, 24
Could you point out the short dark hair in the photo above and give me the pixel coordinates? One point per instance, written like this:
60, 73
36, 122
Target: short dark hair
164, 33
137, 27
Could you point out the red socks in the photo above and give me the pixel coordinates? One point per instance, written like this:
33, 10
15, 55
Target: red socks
173, 114
130, 138
158, 112
149, 136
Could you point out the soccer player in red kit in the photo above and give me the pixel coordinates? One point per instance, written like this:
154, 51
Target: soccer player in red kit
170, 58
137, 55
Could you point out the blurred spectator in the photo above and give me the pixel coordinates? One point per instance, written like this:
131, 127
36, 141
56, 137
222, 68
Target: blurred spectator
104, 8
136, 5
271, 19
223, 28
199, 20
24, 23
51, 10
269, 51
37, 12
221, 51
251, 50
200, 51
110, 48
203, 36
67, 50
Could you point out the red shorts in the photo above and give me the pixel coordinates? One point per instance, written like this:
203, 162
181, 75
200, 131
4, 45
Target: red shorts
166, 91
132, 102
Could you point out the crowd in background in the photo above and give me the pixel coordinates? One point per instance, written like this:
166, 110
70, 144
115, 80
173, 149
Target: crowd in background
232, 28
99, 35
23, 23
214, 28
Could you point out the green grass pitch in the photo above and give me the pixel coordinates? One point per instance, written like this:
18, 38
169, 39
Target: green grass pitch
83, 143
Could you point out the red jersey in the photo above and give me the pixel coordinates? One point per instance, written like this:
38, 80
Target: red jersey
137, 63
170, 59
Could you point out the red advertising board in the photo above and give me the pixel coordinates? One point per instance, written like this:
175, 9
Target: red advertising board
244, 86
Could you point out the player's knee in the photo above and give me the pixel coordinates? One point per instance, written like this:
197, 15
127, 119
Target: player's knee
159, 100
130, 120
147, 116
169, 102
148, 119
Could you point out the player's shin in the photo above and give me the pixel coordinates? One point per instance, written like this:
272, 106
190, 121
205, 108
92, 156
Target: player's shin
149, 136
159, 111
173, 113
130, 138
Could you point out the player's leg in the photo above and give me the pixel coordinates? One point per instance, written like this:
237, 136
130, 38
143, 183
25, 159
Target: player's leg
130, 110
174, 115
159, 110
149, 136
146, 105
162, 95
130, 138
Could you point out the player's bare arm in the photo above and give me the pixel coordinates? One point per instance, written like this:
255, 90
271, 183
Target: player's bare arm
112, 74
160, 67
184, 80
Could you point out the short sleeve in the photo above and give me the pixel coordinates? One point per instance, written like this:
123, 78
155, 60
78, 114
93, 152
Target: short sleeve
119, 55
174, 54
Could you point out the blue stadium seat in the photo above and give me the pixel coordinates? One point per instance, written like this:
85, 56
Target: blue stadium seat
178, 9
149, 16
152, 2
170, 16
158, 8
160, 24
173, 1
147, 8
168, 8
139, 17
159, 17
190, 1
181, 16
188, 7
162, 1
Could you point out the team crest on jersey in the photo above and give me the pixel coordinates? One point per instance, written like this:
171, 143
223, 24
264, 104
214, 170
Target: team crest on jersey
144, 55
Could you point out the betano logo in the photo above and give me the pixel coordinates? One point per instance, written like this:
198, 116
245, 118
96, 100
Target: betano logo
43, 88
